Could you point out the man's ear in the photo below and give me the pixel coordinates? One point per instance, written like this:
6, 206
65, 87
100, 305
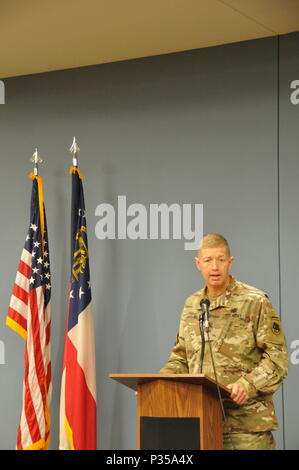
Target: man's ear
231, 262
197, 263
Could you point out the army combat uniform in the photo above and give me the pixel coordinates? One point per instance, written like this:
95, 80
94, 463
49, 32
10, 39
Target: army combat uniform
249, 348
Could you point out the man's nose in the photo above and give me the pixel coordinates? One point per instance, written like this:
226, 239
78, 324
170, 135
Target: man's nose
214, 264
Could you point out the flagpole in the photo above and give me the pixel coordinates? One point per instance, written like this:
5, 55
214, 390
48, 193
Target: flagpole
78, 404
36, 159
75, 149
32, 289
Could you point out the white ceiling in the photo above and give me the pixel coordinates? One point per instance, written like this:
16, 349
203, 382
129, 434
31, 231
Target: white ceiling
44, 35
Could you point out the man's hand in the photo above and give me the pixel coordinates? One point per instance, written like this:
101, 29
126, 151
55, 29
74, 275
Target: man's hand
238, 393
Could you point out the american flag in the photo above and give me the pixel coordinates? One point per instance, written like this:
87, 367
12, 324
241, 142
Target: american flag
29, 315
78, 427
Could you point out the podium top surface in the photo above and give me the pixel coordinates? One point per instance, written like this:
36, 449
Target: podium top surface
133, 380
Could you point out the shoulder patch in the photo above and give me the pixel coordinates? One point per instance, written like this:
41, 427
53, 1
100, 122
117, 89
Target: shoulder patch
275, 328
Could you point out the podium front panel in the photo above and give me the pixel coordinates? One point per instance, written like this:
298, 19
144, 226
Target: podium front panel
169, 433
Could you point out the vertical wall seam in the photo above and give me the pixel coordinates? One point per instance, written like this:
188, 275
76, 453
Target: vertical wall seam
278, 215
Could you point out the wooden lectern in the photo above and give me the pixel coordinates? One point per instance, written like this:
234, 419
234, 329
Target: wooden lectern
177, 411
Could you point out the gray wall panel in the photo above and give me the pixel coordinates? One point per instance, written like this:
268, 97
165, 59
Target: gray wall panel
289, 226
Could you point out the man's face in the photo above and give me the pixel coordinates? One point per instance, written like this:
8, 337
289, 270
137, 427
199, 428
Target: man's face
214, 265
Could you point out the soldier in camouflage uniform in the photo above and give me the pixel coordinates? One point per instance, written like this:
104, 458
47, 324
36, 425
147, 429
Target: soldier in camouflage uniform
248, 346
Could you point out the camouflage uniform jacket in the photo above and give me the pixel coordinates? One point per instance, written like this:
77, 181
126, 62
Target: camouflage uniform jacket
248, 346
